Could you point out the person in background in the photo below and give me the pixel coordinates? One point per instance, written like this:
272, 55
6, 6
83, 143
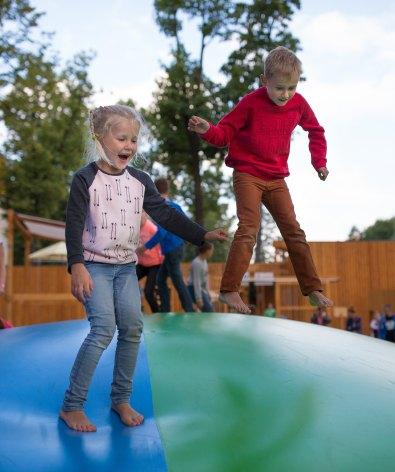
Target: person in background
172, 247
2, 268
149, 262
198, 284
354, 322
320, 317
387, 324
374, 317
270, 311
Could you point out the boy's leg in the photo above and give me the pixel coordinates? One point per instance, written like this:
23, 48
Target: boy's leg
163, 288
173, 262
129, 321
100, 311
278, 201
207, 305
150, 288
248, 191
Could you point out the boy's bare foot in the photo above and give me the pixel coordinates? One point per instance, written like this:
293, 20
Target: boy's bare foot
78, 421
317, 298
128, 415
233, 300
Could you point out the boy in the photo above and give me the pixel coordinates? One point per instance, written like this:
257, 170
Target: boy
198, 284
173, 250
257, 133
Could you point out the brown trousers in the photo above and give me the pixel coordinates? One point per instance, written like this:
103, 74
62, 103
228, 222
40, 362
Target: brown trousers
250, 192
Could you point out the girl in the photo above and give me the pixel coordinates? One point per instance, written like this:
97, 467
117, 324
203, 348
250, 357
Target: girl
102, 233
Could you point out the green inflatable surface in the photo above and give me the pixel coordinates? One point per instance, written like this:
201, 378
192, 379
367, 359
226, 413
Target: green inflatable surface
245, 393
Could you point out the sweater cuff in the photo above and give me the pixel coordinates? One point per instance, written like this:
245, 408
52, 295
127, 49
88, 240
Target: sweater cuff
320, 162
208, 133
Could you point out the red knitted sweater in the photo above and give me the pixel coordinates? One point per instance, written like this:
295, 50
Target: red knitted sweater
258, 134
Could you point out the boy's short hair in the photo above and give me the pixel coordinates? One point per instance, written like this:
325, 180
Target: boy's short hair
206, 246
162, 185
282, 61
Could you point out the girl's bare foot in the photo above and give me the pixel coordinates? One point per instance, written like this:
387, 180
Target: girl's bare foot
78, 421
233, 300
317, 298
128, 415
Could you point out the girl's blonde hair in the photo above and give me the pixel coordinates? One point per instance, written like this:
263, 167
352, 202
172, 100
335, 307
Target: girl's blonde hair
100, 122
282, 61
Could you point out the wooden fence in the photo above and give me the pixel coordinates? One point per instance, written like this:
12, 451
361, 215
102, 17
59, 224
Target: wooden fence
365, 272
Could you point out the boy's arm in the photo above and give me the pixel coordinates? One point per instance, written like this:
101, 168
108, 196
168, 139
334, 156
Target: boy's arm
156, 238
169, 218
195, 276
221, 134
317, 141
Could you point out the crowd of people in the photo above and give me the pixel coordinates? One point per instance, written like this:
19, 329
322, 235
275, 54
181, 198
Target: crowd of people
381, 324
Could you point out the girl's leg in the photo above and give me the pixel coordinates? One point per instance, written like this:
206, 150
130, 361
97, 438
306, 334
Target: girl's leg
100, 312
129, 321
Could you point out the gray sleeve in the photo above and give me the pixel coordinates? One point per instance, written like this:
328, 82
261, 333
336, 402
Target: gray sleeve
77, 209
166, 216
196, 278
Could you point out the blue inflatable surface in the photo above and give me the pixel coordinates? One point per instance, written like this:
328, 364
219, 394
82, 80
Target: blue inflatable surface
36, 362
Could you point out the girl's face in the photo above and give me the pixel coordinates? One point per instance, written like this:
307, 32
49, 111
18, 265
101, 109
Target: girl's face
120, 145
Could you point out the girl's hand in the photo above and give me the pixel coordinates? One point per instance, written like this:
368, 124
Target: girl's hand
323, 173
216, 235
198, 125
81, 282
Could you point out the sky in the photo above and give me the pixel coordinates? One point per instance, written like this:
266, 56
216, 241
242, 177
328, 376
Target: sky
348, 56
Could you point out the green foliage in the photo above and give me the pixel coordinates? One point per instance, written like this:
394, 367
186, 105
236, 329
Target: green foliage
381, 230
259, 26
18, 19
44, 113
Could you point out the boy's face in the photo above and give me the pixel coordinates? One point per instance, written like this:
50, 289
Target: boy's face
280, 88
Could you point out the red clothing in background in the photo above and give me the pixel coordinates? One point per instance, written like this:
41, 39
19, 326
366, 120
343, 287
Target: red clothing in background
258, 134
150, 257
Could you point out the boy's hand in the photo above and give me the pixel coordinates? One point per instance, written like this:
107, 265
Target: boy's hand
198, 125
81, 282
323, 173
216, 235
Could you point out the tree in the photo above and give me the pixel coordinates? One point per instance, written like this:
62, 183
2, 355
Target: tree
380, 230
44, 113
18, 22
354, 234
259, 26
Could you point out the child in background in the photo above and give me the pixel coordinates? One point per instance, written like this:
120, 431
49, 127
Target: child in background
270, 311
102, 234
258, 133
198, 284
172, 248
149, 262
2, 268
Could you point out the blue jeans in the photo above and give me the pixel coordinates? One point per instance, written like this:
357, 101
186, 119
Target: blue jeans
114, 303
171, 268
207, 305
